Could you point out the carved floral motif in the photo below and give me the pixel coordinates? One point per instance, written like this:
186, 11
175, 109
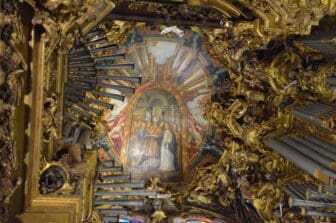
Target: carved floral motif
267, 74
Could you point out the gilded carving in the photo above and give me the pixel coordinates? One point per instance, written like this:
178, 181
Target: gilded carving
282, 81
282, 17
267, 77
118, 31
54, 32
13, 68
52, 179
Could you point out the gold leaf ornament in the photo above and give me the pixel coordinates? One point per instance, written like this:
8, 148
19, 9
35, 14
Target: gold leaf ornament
158, 216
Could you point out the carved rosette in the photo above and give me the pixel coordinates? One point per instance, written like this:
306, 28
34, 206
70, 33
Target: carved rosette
52, 179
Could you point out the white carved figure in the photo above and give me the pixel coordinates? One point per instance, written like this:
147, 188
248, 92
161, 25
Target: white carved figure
167, 156
173, 29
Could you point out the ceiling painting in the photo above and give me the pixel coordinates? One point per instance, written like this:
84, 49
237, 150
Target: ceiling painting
161, 126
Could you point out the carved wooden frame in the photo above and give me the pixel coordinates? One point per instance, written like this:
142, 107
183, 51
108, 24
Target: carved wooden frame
48, 36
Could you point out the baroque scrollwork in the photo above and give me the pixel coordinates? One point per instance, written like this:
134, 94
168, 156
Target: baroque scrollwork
12, 70
254, 104
57, 19
268, 73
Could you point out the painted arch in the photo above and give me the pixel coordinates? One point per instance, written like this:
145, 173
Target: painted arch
175, 88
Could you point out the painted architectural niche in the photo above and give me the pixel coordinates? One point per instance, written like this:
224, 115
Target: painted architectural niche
158, 131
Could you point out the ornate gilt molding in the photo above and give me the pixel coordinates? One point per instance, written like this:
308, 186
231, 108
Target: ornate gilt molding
258, 98
52, 38
225, 7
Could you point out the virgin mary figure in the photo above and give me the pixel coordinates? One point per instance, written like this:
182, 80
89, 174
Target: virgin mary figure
168, 150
